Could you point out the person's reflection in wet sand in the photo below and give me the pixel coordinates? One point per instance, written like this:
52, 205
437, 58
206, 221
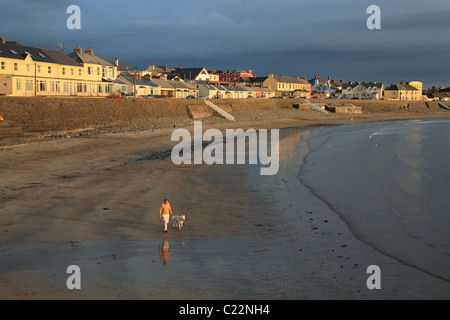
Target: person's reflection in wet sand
164, 252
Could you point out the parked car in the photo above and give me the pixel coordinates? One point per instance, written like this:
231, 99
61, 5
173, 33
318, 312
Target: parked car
190, 97
153, 96
115, 95
129, 95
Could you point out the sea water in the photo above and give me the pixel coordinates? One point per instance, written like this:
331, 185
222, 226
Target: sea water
390, 183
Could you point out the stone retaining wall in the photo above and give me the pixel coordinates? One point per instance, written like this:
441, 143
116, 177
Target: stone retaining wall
64, 113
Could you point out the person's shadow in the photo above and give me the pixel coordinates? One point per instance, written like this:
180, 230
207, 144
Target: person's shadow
164, 252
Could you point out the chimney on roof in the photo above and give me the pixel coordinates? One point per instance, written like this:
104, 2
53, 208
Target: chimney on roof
116, 62
89, 51
2, 40
77, 49
151, 67
250, 71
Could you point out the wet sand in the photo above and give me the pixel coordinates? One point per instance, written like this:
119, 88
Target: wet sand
94, 201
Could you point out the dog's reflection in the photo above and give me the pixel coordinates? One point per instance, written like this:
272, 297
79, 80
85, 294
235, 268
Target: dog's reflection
164, 252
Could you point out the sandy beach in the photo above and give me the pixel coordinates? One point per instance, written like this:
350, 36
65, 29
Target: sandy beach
93, 201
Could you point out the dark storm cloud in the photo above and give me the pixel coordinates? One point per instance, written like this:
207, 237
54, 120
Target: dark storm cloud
324, 37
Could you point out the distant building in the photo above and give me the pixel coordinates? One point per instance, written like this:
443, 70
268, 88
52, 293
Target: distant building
135, 84
402, 91
417, 84
285, 86
157, 72
207, 90
32, 71
99, 73
231, 77
361, 90
190, 74
325, 86
437, 93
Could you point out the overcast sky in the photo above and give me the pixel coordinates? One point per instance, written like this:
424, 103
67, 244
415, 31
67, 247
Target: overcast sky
291, 37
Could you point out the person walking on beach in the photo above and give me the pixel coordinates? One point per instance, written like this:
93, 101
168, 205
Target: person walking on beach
165, 210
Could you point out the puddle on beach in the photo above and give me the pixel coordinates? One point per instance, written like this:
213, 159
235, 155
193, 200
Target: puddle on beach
223, 266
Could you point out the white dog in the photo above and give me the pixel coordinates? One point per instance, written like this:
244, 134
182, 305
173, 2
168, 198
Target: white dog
178, 221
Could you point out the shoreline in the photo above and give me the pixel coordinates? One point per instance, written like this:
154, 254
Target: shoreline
92, 193
400, 280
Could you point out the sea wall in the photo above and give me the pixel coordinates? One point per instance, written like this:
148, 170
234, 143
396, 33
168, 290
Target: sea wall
52, 114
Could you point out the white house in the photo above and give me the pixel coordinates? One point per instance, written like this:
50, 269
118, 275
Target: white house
361, 90
190, 74
327, 86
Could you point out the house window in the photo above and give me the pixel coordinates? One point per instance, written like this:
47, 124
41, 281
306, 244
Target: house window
89, 70
91, 88
19, 84
52, 86
79, 87
71, 71
42, 85
63, 71
15, 66
103, 73
66, 87
99, 88
29, 85
49, 70
39, 69
98, 71
3, 65
28, 68
58, 88
79, 72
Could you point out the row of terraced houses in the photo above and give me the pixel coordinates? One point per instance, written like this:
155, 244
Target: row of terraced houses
32, 71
